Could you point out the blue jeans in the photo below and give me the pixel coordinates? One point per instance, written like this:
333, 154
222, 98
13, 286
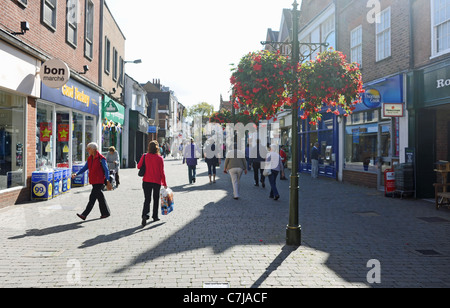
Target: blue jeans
191, 173
273, 183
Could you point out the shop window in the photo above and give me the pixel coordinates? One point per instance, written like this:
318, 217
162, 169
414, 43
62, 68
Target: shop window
91, 129
78, 146
44, 135
361, 141
12, 140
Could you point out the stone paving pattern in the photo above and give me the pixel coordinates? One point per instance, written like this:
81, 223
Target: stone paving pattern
210, 237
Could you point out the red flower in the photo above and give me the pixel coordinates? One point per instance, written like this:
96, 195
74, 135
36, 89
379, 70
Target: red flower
257, 67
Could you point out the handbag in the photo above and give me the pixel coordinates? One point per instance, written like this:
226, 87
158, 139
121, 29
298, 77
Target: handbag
267, 172
141, 172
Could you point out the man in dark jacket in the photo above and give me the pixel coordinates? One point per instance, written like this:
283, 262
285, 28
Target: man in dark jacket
257, 156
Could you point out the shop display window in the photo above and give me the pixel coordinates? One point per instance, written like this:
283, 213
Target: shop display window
12, 140
44, 137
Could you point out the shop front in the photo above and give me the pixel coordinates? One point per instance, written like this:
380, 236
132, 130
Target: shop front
429, 118
138, 128
19, 87
66, 121
113, 115
372, 133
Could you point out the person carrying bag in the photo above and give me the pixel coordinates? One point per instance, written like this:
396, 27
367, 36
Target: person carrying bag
153, 177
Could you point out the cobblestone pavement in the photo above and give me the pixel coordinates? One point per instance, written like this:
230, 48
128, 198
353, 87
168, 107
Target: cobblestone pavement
210, 237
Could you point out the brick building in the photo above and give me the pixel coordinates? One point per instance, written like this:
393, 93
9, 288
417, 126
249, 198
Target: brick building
378, 38
429, 91
44, 126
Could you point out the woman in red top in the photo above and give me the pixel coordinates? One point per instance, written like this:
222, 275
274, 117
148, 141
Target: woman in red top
153, 178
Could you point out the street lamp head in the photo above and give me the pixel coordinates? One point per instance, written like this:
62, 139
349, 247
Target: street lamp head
138, 61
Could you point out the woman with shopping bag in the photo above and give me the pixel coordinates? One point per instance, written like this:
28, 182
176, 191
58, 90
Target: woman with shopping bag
152, 180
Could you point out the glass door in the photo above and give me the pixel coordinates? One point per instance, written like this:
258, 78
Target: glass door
62, 137
384, 151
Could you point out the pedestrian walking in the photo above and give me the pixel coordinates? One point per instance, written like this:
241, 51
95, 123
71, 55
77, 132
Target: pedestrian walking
212, 162
258, 155
113, 160
190, 157
235, 164
315, 161
275, 165
152, 180
98, 175
283, 156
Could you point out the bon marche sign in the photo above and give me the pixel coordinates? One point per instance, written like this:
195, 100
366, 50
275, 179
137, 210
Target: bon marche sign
54, 73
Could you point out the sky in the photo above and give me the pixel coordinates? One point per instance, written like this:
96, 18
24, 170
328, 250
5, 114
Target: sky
189, 44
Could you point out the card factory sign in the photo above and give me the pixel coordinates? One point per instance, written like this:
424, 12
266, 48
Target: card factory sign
54, 73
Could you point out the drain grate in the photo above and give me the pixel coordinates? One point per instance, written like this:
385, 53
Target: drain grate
428, 252
367, 214
433, 219
43, 253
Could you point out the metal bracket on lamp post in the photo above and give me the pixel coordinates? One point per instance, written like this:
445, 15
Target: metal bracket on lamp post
293, 229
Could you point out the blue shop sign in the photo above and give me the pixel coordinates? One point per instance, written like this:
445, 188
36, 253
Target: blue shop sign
73, 95
151, 129
388, 90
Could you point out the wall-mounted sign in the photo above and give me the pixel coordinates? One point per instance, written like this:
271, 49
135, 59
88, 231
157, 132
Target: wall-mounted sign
393, 110
54, 73
372, 98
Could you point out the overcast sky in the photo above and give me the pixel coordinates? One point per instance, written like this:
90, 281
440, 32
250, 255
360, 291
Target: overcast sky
190, 44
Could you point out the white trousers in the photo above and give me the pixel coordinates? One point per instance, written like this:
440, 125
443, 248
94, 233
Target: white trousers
235, 174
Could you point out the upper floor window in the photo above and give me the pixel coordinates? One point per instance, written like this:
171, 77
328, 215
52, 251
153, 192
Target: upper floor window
23, 2
49, 13
107, 55
356, 45
72, 22
115, 68
89, 31
440, 26
383, 34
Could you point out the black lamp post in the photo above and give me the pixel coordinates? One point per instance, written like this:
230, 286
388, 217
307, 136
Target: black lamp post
293, 229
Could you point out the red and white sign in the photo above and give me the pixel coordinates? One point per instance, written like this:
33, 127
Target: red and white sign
394, 110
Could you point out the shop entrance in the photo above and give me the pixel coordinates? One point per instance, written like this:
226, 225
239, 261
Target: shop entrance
62, 137
384, 156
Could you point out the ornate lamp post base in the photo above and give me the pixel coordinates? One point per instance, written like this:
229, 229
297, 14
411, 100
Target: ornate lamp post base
293, 236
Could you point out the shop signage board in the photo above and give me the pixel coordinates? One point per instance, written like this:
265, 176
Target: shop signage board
113, 111
73, 95
54, 73
393, 110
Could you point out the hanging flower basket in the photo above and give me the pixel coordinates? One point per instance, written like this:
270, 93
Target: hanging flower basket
329, 83
259, 83
263, 83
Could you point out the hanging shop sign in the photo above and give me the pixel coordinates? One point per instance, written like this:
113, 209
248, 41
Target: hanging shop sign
393, 110
54, 73
73, 95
